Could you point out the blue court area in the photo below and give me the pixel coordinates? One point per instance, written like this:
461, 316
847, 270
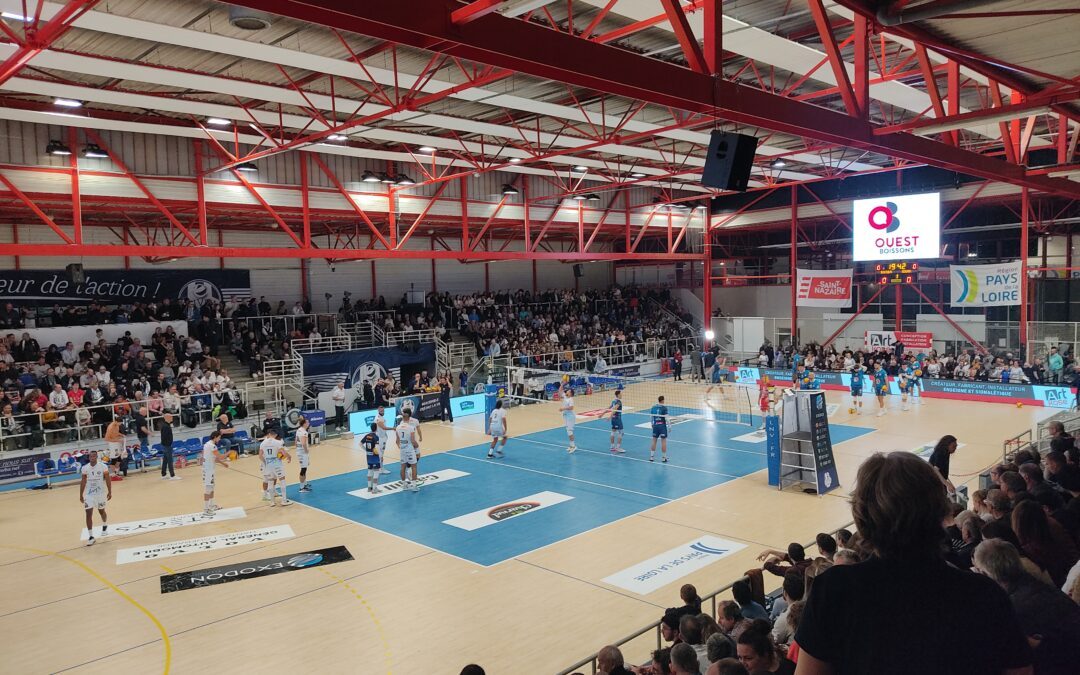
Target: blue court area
490, 510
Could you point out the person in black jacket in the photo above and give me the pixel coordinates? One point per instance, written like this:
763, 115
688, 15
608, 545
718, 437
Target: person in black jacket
444, 399
166, 445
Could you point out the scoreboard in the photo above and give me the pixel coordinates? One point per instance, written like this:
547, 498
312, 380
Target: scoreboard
896, 272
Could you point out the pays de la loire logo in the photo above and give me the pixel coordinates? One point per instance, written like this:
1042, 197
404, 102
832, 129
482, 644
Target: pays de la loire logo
884, 217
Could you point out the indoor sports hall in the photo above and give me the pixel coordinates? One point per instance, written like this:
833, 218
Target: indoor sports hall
514, 337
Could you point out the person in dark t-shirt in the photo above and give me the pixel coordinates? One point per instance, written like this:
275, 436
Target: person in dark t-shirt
939, 459
905, 610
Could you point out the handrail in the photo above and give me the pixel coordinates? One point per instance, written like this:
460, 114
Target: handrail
672, 315
591, 660
333, 343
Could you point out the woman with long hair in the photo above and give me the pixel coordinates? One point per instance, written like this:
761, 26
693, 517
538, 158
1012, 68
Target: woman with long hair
1048, 546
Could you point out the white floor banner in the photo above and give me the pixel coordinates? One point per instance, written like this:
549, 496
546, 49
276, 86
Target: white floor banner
169, 522
670, 566
423, 480
211, 543
501, 512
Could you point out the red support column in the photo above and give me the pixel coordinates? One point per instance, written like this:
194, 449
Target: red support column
127, 260
1025, 206
525, 208
794, 260
392, 217
221, 244
714, 36
76, 198
464, 197
580, 228
953, 72
706, 278
898, 324
303, 278
434, 287
200, 193
15, 240
305, 199
862, 65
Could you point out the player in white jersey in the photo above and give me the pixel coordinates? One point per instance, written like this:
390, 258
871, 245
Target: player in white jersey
382, 431
497, 428
569, 417
95, 490
409, 447
211, 457
302, 438
271, 452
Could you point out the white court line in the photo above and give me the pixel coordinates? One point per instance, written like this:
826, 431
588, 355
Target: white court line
492, 462
603, 454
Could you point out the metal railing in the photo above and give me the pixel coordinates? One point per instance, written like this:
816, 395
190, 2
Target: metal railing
333, 343
654, 627
87, 423
403, 337
671, 316
363, 333
281, 325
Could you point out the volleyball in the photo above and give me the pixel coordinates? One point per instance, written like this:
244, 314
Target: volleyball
918, 372
1019, 404
281, 454
851, 411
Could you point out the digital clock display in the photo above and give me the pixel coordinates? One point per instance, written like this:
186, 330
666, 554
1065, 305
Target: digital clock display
896, 272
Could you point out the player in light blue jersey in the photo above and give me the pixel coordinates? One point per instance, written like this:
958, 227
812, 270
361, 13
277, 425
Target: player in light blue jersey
881, 386
568, 414
616, 422
856, 388
659, 414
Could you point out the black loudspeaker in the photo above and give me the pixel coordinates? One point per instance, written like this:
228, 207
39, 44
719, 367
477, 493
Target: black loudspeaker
730, 158
75, 273
577, 271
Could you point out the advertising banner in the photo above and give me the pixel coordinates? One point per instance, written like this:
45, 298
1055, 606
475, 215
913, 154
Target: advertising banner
903, 227
360, 422
827, 478
887, 339
125, 286
169, 522
985, 285
463, 406
212, 576
670, 566
356, 366
15, 467
823, 288
211, 543
506, 511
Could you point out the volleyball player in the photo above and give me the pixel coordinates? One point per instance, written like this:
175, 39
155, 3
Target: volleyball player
409, 449
497, 429
857, 387
302, 454
211, 457
659, 429
271, 452
569, 417
95, 490
715, 376
382, 432
881, 386
616, 422
372, 446
903, 379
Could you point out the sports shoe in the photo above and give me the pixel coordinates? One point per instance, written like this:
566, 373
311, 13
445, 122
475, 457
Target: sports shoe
620, 451
267, 498
305, 489
215, 507
384, 472
652, 457
664, 459
208, 513
273, 503
491, 455
286, 502
572, 449
376, 490
176, 478
414, 488
90, 541
164, 478
104, 531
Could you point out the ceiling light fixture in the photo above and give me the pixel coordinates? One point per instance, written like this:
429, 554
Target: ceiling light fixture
57, 148
637, 174
580, 169
369, 177
426, 148
508, 189
94, 150
578, 198
592, 197
67, 102
218, 121
514, 160
404, 180
386, 178
778, 163
247, 167
14, 17
336, 137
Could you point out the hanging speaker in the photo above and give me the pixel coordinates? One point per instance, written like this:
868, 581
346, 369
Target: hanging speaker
578, 272
75, 273
730, 158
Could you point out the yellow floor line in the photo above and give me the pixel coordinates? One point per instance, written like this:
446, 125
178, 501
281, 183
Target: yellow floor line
86, 568
387, 655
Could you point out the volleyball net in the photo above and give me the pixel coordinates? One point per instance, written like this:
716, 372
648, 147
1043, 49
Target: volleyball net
724, 402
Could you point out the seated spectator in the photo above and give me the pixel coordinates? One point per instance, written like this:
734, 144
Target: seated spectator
750, 609
1046, 615
719, 646
851, 617
845, 556
690, 631
826, 545
709, 627
730, 619
659, 665
669, 627
609, 661
813, 572
691, 600
1033, 479
843, 538
779, 562
759, 654
1059, 472
1044, 540
794, 616
684, 660
1013, 486
472, 669
728, 666
793, 588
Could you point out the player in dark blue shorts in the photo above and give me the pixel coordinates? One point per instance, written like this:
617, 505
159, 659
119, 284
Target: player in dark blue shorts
370, 444
659, 429
881, 386
616, 422
856, 388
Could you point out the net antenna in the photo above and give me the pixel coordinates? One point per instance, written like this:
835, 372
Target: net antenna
726, 402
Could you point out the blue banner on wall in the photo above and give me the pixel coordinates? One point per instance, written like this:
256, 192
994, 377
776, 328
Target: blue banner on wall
360, 422
772, 448
463, 406
359, 365
45, 287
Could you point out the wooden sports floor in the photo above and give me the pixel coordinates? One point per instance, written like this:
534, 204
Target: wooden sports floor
519, 597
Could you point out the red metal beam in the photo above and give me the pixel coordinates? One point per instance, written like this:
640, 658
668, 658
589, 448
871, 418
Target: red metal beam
480, 235
119, 250
37, 211
836, 60
40, 39
854, 316
1022, 109
939, 310
423, 214
714, 36
862, 65
348, 199
534, 50
475, 10
685, 35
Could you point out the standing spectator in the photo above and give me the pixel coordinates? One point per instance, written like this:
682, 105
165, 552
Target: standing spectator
676, 365
1055, 364
1049, 619
463, 382
851, 620
444, 399
142, 429
939, 459
696, 374
338, 396
114, 440
166, 448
